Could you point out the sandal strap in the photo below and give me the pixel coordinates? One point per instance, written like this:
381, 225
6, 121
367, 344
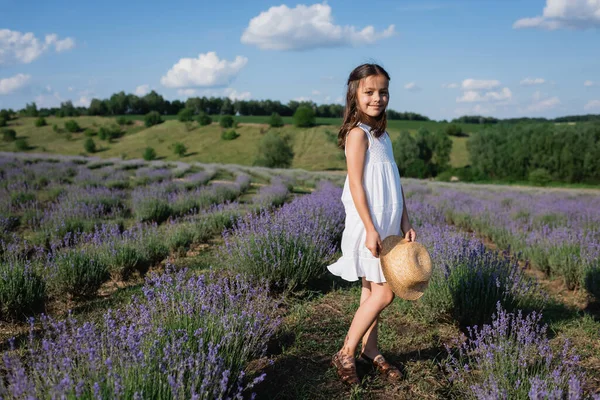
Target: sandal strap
385, 367
346, 368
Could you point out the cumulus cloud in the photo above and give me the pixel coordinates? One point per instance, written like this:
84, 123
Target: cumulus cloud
48, 100
306, 27
477, 109
412, 87
540, 105
478, 84
449, 85
302, 99
17, 47
472, 96
187, 92
532, 81
589, 84
84, 101
235, 95
592, 105
9, 85
576, 14
142, 90
206, 70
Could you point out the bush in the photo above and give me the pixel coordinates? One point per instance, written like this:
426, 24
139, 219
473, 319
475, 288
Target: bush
55, 128
9, 135
41, 121
179, 149
21, 144
226, 121
79, 273
109, 132
89, 145
304, 117
152, 210
540, 177
185, 115
149, 154
274, 151
22, 291
204, 119
3, 122
89, 132
276, 121
72, 126
455, 130
152, 118
229, 135
123, 121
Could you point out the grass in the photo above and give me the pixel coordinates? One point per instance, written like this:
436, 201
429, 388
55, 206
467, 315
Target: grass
313, 149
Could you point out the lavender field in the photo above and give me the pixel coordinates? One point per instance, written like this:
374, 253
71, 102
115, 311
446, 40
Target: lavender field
135, 280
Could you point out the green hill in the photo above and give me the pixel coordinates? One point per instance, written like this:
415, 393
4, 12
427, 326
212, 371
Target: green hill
314, 148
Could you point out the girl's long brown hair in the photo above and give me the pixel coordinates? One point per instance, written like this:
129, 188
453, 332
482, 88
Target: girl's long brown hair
352, 114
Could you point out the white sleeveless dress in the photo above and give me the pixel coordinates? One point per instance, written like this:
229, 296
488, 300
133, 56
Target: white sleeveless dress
381, 181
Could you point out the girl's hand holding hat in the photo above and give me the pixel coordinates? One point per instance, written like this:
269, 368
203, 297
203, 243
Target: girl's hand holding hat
410, 234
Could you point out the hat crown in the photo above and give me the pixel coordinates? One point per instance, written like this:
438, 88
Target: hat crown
406, 266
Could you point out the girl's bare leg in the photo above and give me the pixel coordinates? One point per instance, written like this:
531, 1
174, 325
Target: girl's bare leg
366, 315
369, 340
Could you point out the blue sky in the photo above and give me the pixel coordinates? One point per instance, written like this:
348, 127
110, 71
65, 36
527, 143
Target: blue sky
446, 58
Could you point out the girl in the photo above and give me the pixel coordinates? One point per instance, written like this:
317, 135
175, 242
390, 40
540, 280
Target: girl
375, 208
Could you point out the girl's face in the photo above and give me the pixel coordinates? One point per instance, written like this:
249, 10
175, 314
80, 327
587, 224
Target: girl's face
373, 95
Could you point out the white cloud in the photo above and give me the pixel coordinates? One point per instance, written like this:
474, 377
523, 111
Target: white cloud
206, 70
543, 104
83, 101
449, 85
142, 90
187, 92
17, 47
478, 84
576, 14
235, 95
472, 96
589, 84
9, 85
532, 81
302, 98
592, 105
412, 87
477, 109
316, 93
327, 99
59, 45
305, 27
48, 101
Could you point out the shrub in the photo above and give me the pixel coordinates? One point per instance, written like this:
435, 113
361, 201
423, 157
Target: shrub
9, 135
149, 154
275, 121
89, 145
226, 121
79, 273
89, 132
22, 291
123, 121
55, 128
540, 177
455, 130
179, 149
229, 135
185, 115
304, 117
204, 119
21, 144
41, 121
3, 122
103, 133
72, 126
274, 151
152, 118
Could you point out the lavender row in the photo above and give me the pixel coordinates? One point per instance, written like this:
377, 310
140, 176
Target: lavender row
185, 338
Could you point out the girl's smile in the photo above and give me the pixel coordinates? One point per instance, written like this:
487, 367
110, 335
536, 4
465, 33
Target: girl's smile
373, 95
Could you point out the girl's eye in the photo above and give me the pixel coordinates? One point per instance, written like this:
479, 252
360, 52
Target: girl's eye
369, 93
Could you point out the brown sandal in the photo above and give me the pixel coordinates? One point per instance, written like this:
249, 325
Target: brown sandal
346, 368
383, 367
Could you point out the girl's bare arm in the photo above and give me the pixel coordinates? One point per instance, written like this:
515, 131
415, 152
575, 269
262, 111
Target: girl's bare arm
356, 149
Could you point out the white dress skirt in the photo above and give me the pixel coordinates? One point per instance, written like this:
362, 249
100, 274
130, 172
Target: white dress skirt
381, 181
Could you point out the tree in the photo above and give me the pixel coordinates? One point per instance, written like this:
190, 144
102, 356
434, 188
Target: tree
203, 119
226, 121
227, 107
179, 149
149, 154
304, 117
31, 110
89, 145
274, 151
275, 121
2, 122
41, 121
72, 126
185, 115
406, 154
97, 107
152, 118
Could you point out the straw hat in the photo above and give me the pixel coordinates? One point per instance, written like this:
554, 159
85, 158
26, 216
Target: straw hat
406, 266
